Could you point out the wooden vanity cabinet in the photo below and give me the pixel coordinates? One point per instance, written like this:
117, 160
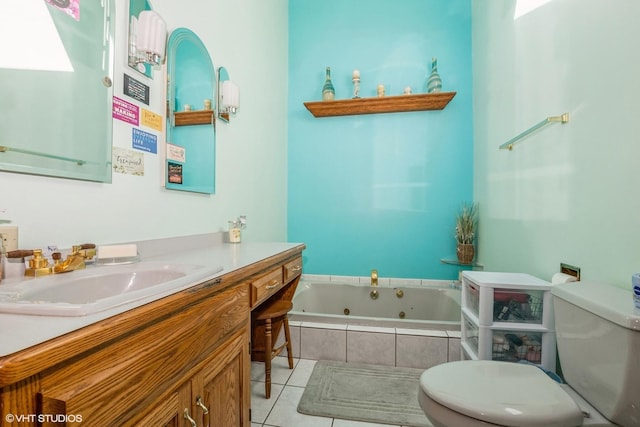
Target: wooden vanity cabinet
212, 397
150, 366
182, 355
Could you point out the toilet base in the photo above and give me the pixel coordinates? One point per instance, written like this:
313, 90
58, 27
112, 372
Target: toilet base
441, 416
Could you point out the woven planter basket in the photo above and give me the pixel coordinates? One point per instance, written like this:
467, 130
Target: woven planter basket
465, 253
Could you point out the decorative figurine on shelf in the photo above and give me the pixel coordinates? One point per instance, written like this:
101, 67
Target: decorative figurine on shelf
434, 83
380, 90
355, 78
328, 93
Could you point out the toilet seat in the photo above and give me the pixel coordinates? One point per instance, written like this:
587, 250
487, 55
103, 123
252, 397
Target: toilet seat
501, 393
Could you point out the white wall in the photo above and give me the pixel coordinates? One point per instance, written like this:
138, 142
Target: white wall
568, 193
249, 38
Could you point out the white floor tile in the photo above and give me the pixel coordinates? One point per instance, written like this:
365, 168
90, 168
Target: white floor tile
301, 373
260, 407
280, 371
285, 411
347, 423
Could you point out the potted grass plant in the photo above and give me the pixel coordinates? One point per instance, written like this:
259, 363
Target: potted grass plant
466, 227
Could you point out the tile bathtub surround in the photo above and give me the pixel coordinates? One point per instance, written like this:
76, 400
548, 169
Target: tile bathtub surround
421, 349
371, 345
414, 348
387, 282
454, 345
320, 341
377, 345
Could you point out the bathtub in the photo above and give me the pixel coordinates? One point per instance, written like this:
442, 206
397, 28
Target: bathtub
431, 307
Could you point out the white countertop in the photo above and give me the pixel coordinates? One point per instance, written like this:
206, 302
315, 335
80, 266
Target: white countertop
18, 332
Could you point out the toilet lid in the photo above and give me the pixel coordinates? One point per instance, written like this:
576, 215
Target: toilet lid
503, 393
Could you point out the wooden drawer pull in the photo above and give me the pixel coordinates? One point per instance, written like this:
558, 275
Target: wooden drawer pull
273, 284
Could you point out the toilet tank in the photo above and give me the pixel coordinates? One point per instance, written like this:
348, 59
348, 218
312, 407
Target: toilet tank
598, 334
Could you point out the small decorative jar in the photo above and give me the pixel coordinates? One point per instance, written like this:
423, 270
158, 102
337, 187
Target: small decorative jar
234, 232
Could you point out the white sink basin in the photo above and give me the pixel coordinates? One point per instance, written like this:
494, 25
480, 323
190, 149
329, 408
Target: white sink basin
95, 289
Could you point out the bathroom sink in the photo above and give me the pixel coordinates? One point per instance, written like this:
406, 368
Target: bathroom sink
95, 289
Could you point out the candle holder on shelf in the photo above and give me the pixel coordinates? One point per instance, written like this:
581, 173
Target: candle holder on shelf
355, 78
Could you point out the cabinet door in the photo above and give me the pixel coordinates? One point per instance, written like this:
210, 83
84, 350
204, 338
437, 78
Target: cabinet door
223, 386
169, 412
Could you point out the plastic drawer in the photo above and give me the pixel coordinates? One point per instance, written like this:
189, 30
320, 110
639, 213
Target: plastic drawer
469, 334
509, 298
472, 297
517, 345
517, 306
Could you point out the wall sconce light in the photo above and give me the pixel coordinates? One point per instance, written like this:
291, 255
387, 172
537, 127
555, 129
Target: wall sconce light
228, 96
147, 39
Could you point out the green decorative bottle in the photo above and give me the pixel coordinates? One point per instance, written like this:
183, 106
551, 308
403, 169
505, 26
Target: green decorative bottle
328, 93
434, 82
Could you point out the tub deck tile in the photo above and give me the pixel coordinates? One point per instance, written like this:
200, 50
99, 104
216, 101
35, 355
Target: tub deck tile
422, 332
361, 328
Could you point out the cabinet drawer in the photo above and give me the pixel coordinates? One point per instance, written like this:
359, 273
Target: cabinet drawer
511, 345
265, 286
292, 269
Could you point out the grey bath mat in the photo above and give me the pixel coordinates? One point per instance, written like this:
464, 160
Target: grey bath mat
373, 393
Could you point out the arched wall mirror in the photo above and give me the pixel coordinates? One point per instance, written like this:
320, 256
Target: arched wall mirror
191, 133
56, 73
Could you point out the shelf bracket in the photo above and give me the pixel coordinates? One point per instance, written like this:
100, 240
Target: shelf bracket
564, 118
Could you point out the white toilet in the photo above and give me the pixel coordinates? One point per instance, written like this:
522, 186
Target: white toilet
598, 335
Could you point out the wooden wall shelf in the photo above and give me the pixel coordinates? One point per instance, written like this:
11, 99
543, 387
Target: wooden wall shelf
386, 104
200, 117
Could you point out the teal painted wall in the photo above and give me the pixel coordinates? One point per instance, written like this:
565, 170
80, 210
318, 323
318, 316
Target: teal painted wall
378, 191
568, 193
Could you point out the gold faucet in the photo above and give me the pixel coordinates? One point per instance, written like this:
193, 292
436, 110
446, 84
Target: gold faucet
39, 265
75, 260
374, 283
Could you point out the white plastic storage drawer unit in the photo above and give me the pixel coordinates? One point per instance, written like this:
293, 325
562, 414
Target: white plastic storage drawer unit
507, 297
507, 316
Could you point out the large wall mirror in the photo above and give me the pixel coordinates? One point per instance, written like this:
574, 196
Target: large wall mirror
56, 73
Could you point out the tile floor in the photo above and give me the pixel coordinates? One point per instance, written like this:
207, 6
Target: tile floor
287, 387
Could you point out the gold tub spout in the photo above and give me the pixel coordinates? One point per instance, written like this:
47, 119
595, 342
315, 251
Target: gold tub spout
374, 283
